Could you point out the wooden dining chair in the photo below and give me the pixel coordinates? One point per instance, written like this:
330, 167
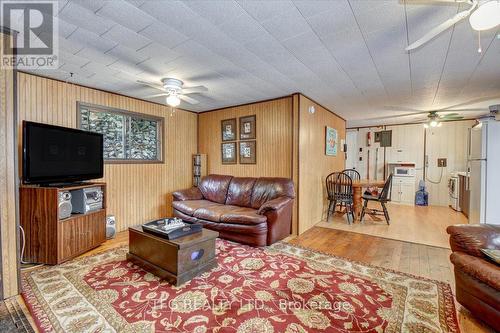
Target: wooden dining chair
383, 198
339, 188
344, 195
330, 190
354, 174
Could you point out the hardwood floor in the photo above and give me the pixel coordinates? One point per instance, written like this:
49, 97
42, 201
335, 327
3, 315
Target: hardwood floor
427, 261
423, 225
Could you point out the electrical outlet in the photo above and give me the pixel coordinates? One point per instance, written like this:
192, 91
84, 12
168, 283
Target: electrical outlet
442, 162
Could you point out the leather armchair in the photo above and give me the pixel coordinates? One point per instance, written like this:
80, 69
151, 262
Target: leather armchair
477, 279
253, 211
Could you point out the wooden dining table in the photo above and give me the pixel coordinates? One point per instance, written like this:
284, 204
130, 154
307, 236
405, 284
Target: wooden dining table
357, 188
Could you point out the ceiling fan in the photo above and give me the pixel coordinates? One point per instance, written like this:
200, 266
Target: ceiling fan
435, 120
175, 91
482, 17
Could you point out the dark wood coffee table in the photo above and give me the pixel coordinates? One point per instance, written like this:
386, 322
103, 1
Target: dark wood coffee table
176, 261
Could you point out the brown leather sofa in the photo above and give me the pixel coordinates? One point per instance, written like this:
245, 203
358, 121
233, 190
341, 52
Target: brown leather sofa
477, 279
253, 211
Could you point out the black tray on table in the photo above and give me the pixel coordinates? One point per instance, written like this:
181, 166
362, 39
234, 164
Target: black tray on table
155, 227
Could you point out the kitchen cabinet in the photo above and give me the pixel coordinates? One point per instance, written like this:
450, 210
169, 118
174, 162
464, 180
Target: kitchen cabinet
403, 190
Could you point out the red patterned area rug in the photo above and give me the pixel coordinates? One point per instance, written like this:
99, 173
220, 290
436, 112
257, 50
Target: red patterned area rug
282, 288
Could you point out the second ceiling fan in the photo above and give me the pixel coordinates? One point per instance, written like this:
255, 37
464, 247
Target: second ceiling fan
482, 17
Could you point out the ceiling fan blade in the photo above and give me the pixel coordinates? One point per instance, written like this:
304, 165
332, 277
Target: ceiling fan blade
441, 28
196, 89
152, 85
156, 95
188, 99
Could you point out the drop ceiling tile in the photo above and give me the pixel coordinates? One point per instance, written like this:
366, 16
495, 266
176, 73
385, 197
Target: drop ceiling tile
91, 40
126, 55
85, 18
65, 28
158, 52
94, 55
310, 8
266, 10
163, 34
125, 14
70, 46
126, 37
243, 28
102, 70
217, 12
287, 25
334, 21
176, 15
67, 57
92, 5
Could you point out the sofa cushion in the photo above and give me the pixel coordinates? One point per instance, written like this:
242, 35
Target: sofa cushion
214, 187
240, 191
266, 189
213, 212
246, 216
190, 206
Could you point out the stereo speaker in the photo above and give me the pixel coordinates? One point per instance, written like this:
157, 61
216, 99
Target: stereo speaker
110, 227
64, 205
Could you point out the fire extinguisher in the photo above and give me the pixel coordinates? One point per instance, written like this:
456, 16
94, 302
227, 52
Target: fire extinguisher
369, 139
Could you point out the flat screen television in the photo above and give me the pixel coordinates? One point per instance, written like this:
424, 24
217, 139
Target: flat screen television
54, 154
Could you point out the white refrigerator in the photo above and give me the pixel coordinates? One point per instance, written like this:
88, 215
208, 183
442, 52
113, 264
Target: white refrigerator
483, 164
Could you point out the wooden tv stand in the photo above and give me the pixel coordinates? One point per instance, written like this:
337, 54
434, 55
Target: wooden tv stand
51, 240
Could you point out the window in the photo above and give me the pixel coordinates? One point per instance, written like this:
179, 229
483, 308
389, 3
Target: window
128, 137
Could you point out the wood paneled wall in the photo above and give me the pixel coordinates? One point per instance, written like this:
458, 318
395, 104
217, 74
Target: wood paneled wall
290, 143
314, 164
275, 145
8, 186
136, 192
274, 139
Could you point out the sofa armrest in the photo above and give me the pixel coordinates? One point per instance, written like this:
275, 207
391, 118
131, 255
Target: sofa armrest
192, 193
274, 204
479, 269
471, 239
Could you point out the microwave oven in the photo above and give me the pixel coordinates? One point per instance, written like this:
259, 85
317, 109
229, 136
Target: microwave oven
404, 172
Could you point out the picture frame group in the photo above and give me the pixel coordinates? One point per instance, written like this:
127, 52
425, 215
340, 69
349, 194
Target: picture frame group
246, 148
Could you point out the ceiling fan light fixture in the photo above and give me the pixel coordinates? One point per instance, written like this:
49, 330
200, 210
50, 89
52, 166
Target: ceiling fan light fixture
173, 100
434, 123
486, 17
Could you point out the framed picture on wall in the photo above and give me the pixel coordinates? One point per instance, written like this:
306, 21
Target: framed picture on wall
331, 141
248, 152
228, 129
247, 127
228, 152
